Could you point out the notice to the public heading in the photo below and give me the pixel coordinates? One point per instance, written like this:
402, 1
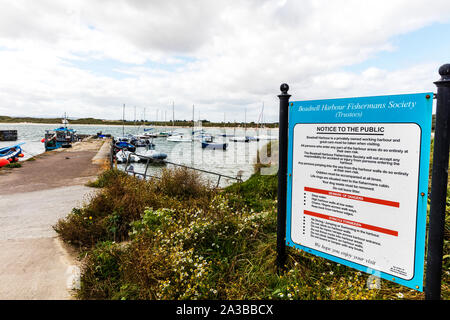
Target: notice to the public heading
355, 190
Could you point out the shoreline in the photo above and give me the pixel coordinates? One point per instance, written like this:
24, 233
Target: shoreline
119, 126
132, 125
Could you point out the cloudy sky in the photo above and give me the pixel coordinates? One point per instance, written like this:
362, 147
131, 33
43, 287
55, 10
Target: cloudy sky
228, 58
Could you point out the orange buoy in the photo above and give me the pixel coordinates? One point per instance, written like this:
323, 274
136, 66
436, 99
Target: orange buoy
16, 159
43, 140
3, 162
20, 155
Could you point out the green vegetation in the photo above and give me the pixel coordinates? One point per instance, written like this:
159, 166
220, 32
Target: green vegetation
175, 238
12, 165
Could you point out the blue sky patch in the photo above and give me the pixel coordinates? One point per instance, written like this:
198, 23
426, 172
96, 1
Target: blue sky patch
425, 44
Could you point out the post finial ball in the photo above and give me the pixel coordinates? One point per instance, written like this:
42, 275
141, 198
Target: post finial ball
444, 70
284, 88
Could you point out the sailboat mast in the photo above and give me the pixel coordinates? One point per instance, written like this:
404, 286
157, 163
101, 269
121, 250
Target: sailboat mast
260, 119
123, 120
245, 122
193, 120
135, 118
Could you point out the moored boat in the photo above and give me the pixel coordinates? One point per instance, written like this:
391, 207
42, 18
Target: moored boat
266, 137
124, 155
151, 154
214, 146
139, 142
123, 145
180, 137
61, 137
240, 139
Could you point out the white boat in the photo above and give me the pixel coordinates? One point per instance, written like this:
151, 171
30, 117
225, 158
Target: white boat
266, 137
180, 137
240, 139
152, 154
204, 137
148, 135
122, 157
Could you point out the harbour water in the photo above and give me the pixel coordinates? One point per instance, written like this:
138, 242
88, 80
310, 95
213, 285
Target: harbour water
239, 157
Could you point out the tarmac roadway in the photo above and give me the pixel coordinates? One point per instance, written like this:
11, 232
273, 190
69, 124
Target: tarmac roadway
34, 263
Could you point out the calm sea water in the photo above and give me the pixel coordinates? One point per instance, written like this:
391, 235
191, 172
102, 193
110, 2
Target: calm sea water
239, 157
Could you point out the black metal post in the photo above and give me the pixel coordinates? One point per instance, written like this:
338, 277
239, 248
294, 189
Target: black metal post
282, 175
438, 187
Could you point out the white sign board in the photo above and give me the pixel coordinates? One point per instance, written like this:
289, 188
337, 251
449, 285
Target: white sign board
347, 203
358, 182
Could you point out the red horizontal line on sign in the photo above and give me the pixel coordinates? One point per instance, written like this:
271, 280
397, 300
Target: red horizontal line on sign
354, 197
352, 223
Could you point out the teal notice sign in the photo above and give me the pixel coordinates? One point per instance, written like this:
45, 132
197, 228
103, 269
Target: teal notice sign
358, 182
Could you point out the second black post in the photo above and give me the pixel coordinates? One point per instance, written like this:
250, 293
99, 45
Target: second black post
282, 175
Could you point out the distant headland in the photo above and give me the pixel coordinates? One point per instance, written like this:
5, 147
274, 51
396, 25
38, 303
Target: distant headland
177, 123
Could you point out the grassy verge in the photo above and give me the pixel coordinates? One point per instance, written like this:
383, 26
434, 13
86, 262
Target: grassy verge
12, 165
175, 238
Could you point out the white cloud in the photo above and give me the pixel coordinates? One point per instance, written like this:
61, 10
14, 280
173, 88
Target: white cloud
221, 56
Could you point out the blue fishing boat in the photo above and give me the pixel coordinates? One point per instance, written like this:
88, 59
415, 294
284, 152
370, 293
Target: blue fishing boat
61, 137
123, 145
10, 154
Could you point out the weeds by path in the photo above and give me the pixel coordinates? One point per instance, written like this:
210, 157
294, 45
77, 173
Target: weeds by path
175, 238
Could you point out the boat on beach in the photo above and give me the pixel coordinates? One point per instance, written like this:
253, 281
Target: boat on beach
10, 154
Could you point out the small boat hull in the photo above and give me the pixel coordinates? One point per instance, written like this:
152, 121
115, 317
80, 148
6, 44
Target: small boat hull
123, 156
240, 139
122, 145
179, 138
10, 154
152, 155
59, 138
214, 146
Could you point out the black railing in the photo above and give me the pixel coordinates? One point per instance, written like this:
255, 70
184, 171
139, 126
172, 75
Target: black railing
149, 160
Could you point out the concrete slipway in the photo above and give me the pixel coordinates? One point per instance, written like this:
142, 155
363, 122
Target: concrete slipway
34, 263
